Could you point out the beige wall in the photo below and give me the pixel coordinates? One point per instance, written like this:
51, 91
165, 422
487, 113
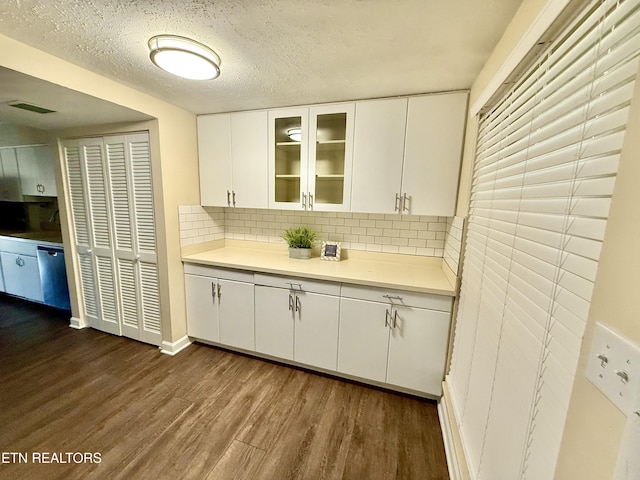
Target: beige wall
594, 425
174, 152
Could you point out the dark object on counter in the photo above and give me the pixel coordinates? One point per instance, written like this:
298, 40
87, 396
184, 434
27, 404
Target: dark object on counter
53, 277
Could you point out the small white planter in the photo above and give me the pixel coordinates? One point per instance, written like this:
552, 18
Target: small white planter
301, 253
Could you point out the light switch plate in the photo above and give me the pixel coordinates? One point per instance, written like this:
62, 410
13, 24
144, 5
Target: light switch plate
613, 359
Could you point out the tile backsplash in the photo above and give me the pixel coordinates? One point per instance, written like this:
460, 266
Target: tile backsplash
405, 234
453, 242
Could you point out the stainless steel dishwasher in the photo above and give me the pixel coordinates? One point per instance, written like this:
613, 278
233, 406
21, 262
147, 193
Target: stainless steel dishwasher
53, 277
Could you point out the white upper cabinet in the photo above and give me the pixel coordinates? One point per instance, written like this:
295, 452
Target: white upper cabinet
407, 154
377, 155
232, 150
214, 154
310, 157
396, 155
432, 154
249, 159
36, 167
10, 188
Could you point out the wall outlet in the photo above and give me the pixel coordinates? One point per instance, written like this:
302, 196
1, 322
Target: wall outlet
614, 367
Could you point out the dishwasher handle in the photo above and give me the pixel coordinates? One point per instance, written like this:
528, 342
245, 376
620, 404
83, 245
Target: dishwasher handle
52, 251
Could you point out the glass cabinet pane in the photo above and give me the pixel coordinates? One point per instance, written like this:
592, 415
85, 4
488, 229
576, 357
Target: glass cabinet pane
331, 137
288, 136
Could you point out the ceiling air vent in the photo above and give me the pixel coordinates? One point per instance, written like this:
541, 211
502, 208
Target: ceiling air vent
30, 106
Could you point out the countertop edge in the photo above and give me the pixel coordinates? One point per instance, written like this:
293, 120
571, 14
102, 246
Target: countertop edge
450, 292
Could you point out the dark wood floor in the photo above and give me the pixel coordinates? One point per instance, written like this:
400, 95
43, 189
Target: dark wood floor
203, 414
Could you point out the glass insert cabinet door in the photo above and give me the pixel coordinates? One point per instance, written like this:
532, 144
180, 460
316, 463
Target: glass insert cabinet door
310, 157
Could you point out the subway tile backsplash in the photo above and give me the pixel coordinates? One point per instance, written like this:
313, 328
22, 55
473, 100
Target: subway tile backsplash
453, 242
404, 234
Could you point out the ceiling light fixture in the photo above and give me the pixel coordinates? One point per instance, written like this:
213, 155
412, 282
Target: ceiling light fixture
295, 134
184, 57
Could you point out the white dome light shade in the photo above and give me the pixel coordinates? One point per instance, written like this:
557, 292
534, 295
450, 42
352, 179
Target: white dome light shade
295, 134
184, 57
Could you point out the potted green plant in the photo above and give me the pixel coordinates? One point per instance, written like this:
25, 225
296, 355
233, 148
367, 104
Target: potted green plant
300, 241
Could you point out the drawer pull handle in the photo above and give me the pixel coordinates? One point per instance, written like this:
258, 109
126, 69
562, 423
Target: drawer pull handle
392, 297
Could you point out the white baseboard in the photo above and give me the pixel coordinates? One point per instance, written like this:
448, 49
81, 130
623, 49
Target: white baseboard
456, 458
169, 348
78, 323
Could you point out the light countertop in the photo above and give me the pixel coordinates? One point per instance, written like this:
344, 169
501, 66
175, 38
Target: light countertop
405, 272
39, 236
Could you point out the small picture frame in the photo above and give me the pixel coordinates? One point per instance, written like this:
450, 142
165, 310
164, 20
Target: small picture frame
330, 251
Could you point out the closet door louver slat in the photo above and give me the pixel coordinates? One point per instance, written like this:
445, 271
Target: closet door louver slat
546, 161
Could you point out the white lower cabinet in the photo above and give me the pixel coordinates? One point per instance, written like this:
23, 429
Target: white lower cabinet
389, 337
418, 348
297, 319
220, 309
235, 313
202, 315
316, 330
384, 337
274, 322
22, 276
364, 339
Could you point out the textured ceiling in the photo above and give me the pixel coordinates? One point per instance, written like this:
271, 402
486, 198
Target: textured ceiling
274, 52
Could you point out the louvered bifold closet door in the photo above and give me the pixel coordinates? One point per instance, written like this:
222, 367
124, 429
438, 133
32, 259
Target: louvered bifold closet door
546, 162
132, 198
74, 155
99, 222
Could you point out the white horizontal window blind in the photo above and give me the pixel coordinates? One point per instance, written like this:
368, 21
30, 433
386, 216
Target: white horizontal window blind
545, 168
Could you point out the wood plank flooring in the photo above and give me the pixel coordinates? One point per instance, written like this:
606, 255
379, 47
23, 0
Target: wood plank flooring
203, 414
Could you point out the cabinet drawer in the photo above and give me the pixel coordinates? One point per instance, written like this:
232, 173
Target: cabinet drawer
410, 299
215, 272
19, 246
297, 283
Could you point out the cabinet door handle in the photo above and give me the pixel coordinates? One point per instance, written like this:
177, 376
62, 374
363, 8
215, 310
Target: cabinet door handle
213, 292
397, 205
228, 198
219, 293
40, 188
298, 305
405, 201
387, 316
290, 302
304, 201
310, 201
233, 194
395, 319
20, 262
